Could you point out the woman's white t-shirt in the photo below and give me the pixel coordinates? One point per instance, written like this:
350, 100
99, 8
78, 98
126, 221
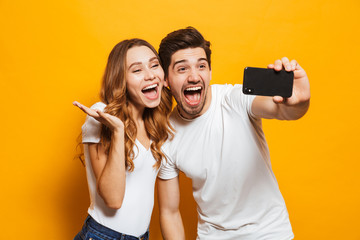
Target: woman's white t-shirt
133, 218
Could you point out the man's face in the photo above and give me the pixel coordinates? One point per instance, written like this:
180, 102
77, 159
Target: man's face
189, 78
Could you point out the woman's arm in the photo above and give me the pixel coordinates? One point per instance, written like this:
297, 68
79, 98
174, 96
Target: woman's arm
109, 169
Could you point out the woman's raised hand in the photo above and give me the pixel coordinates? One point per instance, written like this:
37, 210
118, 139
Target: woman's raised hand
112, 122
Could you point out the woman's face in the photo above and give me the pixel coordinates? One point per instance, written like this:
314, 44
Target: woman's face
144, 77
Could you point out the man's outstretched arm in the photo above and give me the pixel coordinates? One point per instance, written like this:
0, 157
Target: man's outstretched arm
285, 108
170, 218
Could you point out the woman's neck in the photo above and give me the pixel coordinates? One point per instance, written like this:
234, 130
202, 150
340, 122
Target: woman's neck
141, 135
136, 113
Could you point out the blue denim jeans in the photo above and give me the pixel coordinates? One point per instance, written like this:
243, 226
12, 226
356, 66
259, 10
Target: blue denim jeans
93, 230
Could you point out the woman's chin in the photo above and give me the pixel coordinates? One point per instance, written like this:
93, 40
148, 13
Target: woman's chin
152, 103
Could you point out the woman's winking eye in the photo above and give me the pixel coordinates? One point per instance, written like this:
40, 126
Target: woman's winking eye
155, 65
136, 70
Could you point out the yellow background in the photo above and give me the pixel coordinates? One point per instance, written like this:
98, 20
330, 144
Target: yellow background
54, 52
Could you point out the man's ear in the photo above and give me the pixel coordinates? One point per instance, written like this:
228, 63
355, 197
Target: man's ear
166, 82
210, 75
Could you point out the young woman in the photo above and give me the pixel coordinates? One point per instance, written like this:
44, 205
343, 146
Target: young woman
122, 137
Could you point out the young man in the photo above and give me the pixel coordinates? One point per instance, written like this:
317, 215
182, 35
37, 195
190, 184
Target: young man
220, 145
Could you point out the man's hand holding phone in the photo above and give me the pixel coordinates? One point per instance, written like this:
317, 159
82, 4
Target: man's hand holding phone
283, 107
279, 83
301, 86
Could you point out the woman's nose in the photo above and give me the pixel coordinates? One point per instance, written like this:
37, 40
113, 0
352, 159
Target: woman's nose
149, 74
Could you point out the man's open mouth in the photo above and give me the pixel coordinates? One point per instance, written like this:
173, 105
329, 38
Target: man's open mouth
151, 91
193, 95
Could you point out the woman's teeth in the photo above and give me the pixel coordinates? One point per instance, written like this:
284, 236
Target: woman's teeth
150, 87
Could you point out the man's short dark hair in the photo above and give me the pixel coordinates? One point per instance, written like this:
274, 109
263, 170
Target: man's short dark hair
181, 39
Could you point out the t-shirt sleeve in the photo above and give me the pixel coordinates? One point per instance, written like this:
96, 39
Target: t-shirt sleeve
238, 100
91, 129
168, 169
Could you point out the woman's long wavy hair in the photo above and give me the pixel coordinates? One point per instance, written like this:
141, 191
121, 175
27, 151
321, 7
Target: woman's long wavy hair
114, 94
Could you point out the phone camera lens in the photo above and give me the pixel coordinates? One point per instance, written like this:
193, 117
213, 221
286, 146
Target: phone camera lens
249, 90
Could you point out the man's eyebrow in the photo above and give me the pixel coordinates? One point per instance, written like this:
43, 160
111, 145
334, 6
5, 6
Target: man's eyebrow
138, 63
184, 60
180, 61
202, 59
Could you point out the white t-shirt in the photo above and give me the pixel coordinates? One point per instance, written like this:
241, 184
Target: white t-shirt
133, 218
225, 153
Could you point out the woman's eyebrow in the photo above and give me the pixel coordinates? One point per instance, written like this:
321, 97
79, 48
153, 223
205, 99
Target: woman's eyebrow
135, 63
153, 58
138, 63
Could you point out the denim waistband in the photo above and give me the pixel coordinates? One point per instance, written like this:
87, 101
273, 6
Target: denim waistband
111, 233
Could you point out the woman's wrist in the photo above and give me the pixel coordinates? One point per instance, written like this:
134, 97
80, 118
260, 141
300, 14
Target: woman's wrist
118, 132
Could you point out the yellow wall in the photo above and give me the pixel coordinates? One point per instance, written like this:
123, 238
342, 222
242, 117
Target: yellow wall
52, 53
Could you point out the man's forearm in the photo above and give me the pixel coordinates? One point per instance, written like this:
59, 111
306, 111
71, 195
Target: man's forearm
172, 227
293, 112
265, 107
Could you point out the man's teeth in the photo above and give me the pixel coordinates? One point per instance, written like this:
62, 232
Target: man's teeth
193, 89
150, 87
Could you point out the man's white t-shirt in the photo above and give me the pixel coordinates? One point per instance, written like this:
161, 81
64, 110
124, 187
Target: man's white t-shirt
133, 218
225, 153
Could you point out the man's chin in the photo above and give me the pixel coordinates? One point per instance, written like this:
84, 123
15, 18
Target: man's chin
190, 111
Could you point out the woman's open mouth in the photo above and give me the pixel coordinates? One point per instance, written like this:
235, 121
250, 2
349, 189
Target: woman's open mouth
151, 91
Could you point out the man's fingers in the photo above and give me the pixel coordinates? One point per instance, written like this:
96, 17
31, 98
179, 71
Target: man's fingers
278, 65
278, 99
286, 64
293, 64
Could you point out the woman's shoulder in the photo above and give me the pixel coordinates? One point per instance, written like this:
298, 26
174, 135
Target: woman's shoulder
98, 106
91, 129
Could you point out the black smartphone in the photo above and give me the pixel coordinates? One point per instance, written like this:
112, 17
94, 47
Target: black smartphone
268, 82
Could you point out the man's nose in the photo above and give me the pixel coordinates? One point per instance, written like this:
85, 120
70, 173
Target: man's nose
194, 76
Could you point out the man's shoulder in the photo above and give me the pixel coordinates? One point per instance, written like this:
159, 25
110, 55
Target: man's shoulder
220, 89
232, 96
224, 92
